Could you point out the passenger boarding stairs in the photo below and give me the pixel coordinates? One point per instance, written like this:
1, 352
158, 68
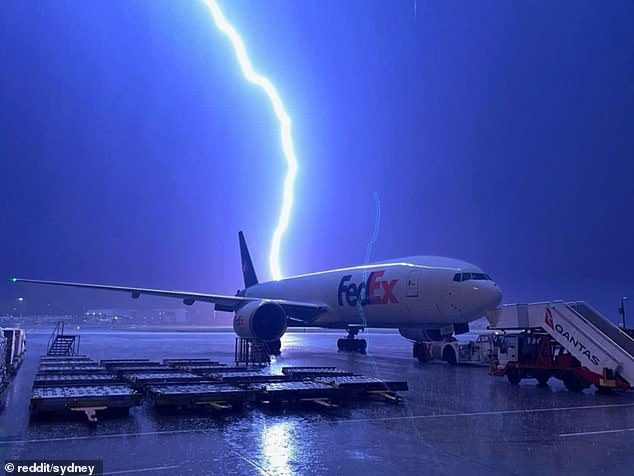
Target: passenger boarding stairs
61, 344
588, 336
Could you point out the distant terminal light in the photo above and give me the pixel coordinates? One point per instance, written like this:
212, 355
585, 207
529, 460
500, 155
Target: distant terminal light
285, 129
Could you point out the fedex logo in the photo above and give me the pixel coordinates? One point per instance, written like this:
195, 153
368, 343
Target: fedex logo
367, 292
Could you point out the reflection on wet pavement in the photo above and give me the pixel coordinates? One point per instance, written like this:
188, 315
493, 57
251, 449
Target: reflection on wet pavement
453, 419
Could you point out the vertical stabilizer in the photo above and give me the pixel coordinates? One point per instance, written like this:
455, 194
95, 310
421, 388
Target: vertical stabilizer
248, 271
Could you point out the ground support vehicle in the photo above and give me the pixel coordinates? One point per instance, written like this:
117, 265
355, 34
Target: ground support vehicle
584, 347
15, 348
476, 351
535, 354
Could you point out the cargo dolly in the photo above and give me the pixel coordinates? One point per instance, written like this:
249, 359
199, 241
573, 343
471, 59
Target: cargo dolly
122, 362
308, 372
70, 384
246, 377
65, 384
357, 386
207, 370
135, 366
78, 378
323, 394
140, 379
88, 399
66, 368
191, 362
197, 395
66, 359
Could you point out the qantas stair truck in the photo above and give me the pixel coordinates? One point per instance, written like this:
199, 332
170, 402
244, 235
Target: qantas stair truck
569, 341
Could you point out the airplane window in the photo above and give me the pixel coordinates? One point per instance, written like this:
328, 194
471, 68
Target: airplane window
466, 276
457, 277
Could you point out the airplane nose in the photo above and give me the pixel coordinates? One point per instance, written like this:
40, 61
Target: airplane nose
491, 296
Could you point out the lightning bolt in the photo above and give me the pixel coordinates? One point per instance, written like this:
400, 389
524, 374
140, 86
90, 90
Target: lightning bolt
285, 130
368, 249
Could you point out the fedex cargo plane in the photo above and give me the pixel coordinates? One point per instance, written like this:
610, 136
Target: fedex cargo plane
425, 297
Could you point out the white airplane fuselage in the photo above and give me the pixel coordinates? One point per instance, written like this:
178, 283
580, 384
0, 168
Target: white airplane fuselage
422, 296
413, 292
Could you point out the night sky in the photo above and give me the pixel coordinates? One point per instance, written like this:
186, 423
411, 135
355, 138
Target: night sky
502, 133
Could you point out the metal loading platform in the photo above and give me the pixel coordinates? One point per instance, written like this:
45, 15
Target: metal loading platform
298, 391
68, 385
189, 396
597, 351
139, 380
325, 386
64, 386
306, 372
191, 362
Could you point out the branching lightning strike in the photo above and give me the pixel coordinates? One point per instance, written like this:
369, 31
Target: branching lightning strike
285, 130
368, 249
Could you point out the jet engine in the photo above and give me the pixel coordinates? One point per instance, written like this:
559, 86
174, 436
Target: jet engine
421, 335
265, 321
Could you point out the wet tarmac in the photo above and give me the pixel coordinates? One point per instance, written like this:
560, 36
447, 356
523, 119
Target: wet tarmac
453, 420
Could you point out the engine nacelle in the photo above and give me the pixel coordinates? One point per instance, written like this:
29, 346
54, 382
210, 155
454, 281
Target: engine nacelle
260, 320
426, 335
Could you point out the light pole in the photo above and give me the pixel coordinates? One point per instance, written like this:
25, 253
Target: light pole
21, 300
622, 310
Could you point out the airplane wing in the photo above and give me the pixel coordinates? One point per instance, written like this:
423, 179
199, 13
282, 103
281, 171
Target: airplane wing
298, 310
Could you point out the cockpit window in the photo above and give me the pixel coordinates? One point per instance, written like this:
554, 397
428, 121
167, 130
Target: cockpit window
459, 277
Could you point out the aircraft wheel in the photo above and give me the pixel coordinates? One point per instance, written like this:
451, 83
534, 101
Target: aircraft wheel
416, 351
604, 390
573, 382
449, 355
421, 352
542, 378
275, 347
362, 345
513, 376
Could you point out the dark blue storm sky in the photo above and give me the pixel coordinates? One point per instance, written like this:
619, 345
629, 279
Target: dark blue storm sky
501, 133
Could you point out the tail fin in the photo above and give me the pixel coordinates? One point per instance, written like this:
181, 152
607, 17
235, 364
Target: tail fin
248, 271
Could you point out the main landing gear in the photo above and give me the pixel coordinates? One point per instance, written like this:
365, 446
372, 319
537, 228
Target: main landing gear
351, 343
274, 347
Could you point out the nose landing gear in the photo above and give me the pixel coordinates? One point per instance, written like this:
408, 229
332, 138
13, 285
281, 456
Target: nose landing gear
351, 343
